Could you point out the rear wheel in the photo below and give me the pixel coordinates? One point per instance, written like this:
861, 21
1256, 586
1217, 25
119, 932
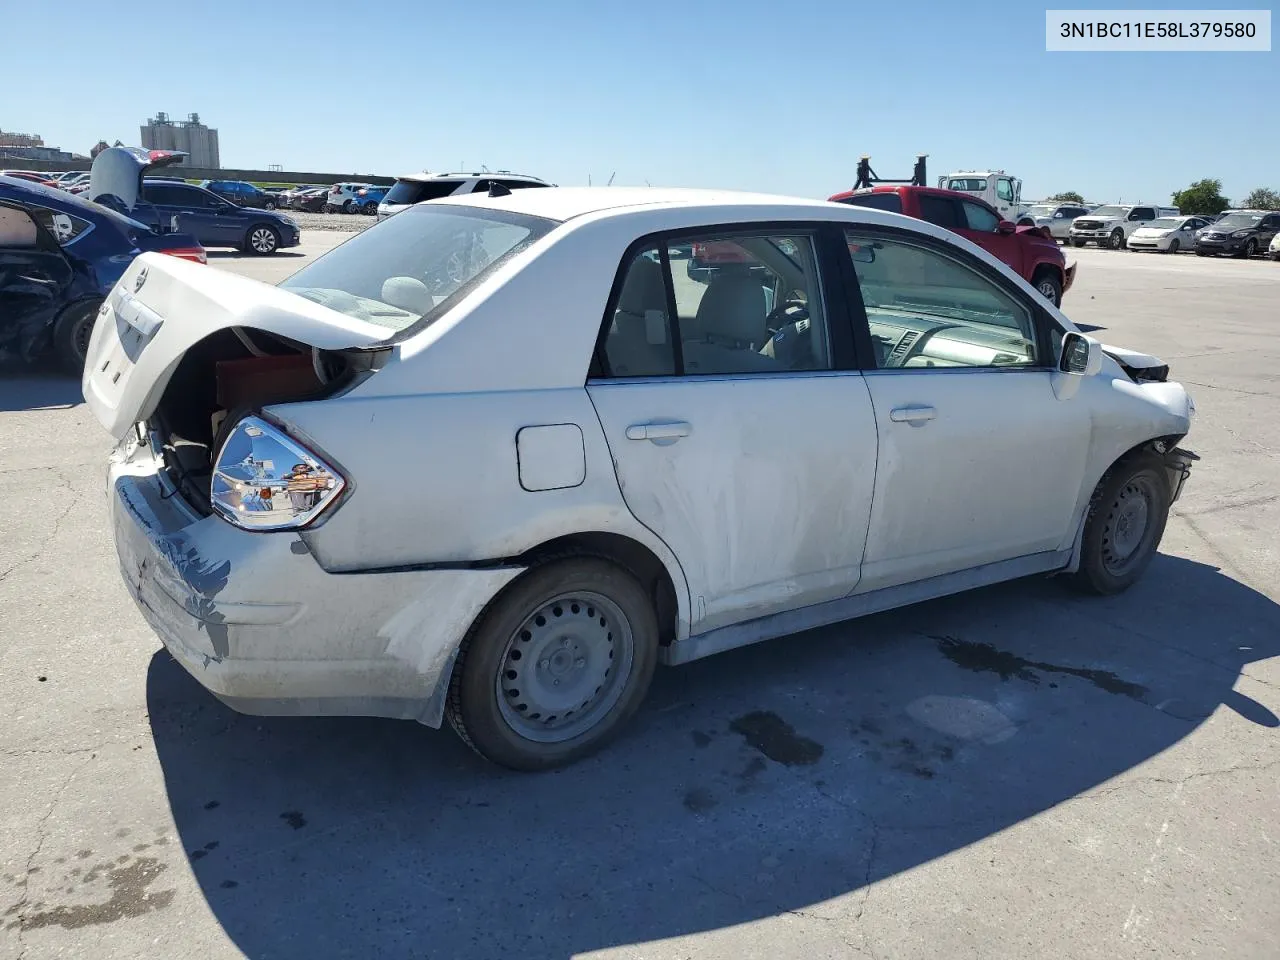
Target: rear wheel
347, 206
262, 240
1126, 520
71, 333
269, 205
555, 665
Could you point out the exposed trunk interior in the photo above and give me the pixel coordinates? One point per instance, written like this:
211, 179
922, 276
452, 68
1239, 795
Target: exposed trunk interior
232, 373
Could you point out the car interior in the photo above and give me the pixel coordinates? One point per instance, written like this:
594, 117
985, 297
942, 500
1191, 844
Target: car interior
753, 314
747, 313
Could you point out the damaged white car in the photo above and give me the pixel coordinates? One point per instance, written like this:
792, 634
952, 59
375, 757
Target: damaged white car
497, 457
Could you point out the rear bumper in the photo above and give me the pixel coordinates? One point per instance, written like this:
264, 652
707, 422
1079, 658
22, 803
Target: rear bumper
256, 620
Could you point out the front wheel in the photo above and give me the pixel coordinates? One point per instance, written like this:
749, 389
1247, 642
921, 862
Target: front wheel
262, 240
1050, 288
269, 205
1173, 245
1250, 249
1117, 239
71, 335
1126, 520
555, 665
347, 206
1078, 243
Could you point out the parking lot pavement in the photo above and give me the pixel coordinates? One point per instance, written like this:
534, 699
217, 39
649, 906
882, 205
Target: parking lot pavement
1018, 772
279, 265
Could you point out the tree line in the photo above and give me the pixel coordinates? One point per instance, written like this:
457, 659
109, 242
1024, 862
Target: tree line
1202, 197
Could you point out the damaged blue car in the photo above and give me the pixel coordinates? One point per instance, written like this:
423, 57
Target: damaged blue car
59, 257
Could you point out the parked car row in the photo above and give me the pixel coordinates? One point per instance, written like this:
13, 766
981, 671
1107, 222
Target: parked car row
369, 199
1240, 233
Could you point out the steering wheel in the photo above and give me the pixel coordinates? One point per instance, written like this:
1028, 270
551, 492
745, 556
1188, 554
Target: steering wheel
788, 311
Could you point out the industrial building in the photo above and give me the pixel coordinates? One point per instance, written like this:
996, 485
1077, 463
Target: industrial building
189, 136
30, 146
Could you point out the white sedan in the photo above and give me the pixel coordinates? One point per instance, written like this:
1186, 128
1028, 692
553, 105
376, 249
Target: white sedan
1168, 234
498, 456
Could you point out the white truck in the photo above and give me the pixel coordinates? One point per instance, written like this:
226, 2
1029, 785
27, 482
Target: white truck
999, 189
1112, 225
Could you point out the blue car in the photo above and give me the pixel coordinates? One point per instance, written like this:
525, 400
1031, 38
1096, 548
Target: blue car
117, 180
60, 255
367, 199
241, 193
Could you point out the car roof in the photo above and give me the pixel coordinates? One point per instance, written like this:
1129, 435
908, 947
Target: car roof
504, 174
907, 188
566, 203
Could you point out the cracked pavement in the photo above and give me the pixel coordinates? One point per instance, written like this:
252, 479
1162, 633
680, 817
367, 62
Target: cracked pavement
919, 809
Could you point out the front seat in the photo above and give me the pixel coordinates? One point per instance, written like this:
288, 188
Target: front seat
732, 328
637, 345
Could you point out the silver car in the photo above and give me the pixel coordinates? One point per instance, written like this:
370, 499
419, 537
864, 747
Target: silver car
1057, 218
497, 457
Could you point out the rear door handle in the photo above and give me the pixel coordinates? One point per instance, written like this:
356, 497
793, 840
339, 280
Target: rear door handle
669, 430
912, 414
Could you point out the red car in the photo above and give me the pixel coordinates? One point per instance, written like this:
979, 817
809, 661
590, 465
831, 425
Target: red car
30, 175
1030, 251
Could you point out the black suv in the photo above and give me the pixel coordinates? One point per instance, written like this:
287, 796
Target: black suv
1241, 233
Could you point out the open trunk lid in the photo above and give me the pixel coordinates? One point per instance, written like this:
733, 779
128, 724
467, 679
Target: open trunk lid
115, 179
162, 306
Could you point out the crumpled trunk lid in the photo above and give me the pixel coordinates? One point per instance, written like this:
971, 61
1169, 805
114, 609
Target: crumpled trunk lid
163, 305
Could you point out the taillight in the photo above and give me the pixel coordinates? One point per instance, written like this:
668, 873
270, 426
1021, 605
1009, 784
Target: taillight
265, 480
194, 254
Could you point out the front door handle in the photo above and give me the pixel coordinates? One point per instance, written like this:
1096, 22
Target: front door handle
668, 430
912, 414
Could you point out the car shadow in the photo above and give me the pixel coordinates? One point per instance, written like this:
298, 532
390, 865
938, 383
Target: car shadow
32, 388
768, 779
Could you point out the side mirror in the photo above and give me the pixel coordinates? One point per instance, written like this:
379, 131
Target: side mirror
1081, 355
1005, 227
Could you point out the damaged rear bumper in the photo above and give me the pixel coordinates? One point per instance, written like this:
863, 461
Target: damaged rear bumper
255, 619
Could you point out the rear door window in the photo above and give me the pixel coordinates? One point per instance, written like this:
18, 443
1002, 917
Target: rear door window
876, 201
416, 191
17, 230
941, 210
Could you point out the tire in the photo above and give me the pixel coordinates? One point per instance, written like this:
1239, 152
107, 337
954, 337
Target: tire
605, 620
1250, 249
1049, 286
1114, 553
262, 240
347, 206
330, 208
1116, 240
1276, 256
269, 205
1078, 243
1173, 246
71, 332
1202, 253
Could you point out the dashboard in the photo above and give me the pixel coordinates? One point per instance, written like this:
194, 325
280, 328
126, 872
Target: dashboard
904, 339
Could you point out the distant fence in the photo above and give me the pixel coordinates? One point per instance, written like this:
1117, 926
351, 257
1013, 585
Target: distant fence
201, 173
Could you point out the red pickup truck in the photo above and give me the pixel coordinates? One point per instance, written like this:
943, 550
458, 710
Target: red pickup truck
1027, 250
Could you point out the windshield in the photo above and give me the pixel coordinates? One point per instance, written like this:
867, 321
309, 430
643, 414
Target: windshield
1119, 212
1164, 223
1238, 221
1041, 210
415, 266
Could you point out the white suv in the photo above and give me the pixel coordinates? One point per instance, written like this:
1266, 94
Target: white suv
342, 197
1112, 225
416, 187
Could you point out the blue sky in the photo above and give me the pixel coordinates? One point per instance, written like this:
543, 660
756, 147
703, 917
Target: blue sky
773, 96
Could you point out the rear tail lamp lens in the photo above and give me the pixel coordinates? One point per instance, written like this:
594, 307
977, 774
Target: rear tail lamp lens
265, 480
194, 254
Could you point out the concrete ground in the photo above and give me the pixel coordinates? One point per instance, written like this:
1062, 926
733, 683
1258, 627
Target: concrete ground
1018, 772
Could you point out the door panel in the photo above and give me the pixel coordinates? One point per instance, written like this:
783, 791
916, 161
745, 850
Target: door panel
994, 473
761, 486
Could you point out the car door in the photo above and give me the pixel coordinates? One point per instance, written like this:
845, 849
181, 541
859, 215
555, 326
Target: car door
750, 453
982, 226
34, 279
1268, 226
1137, 217
227, 221
185, 203
979, 461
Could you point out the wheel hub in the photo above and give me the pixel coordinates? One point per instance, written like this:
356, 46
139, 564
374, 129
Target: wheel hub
1130, 519
564, 668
